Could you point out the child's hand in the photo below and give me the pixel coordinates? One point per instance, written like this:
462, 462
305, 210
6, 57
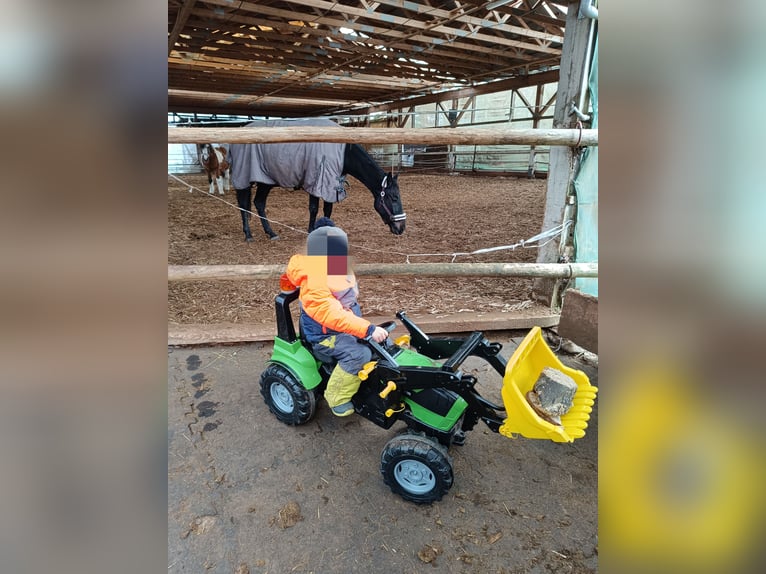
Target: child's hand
379, 335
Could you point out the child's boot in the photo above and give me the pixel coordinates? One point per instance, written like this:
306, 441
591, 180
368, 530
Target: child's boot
340, 388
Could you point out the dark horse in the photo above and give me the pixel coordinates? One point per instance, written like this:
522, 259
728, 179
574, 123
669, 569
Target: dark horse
319, 168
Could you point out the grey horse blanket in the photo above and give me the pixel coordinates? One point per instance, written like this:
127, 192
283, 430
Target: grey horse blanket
316, 167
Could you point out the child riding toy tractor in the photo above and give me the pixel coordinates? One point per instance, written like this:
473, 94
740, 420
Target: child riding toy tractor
417, 380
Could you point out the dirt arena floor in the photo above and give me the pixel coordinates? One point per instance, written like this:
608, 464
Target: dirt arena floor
248, 494
445, 214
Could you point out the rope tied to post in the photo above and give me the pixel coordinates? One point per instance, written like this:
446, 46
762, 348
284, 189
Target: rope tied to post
578, 125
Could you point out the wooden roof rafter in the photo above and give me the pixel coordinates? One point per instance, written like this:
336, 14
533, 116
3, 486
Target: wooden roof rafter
369, 50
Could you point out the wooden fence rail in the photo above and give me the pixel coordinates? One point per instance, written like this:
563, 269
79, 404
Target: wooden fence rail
250, 272
467, 136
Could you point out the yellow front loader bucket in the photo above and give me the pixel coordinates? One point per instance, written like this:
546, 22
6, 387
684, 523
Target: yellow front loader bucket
521, 374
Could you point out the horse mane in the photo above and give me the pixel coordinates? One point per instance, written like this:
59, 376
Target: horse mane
359, 163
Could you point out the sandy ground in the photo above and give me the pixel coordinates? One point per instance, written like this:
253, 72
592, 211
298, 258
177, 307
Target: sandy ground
445, 214
247, 493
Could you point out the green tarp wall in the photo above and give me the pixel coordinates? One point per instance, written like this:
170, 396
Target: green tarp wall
586, 187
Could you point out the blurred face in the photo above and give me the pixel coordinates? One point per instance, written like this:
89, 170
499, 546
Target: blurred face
331, 246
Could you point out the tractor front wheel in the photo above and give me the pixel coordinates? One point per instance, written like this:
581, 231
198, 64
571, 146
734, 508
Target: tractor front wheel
416, 468
286, 397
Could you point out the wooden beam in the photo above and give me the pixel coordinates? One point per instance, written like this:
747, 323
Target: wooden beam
547, 105
485, 23
536, 115
383, 35
183, 15
395, 23
220, 333
354, 44
273, 73
251, 272
488, 88
467, 136
200, 334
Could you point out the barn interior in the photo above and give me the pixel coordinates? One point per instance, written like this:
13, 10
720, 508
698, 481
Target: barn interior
517, 64
374, 66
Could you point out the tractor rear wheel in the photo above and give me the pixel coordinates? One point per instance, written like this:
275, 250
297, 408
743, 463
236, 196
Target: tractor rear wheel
416, 468
286, 397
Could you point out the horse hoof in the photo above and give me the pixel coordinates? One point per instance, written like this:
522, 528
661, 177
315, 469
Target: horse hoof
249, 239
274, 237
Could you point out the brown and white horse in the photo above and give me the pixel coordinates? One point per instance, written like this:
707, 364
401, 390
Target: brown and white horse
213, 159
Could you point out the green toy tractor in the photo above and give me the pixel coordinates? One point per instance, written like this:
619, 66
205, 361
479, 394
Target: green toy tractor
417, 380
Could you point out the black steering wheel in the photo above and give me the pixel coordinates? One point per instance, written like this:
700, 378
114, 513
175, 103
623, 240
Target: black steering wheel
388, 326
382, 348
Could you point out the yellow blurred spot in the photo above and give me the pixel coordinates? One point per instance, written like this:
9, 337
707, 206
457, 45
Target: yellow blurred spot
678, 477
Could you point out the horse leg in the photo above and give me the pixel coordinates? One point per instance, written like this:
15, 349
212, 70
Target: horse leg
327, 208
212, 185
219, 179
313, 211
243, 200
261, 194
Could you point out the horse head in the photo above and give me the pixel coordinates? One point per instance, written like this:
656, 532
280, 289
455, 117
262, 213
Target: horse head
206, 150
388, 204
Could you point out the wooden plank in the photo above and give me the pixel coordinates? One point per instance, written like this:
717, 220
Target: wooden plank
286, 38
395, 22
490, 87
250, 272
485, 23
314, 47
218, 333
181, 18
468, 136
579, 319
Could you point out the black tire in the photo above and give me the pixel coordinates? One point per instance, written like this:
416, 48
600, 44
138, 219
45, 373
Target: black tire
286, 397
416, 468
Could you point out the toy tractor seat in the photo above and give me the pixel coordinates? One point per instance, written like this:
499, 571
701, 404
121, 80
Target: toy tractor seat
286, 328
285, 325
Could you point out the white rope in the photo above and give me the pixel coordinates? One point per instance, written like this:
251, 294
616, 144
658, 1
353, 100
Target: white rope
202, 191
548, 235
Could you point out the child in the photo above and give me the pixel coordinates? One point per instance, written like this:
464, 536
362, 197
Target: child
331, 319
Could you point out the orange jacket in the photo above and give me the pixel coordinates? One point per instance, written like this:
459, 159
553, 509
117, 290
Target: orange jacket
329, 300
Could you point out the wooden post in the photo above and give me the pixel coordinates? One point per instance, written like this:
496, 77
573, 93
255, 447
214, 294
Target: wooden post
562, 167
536, 115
